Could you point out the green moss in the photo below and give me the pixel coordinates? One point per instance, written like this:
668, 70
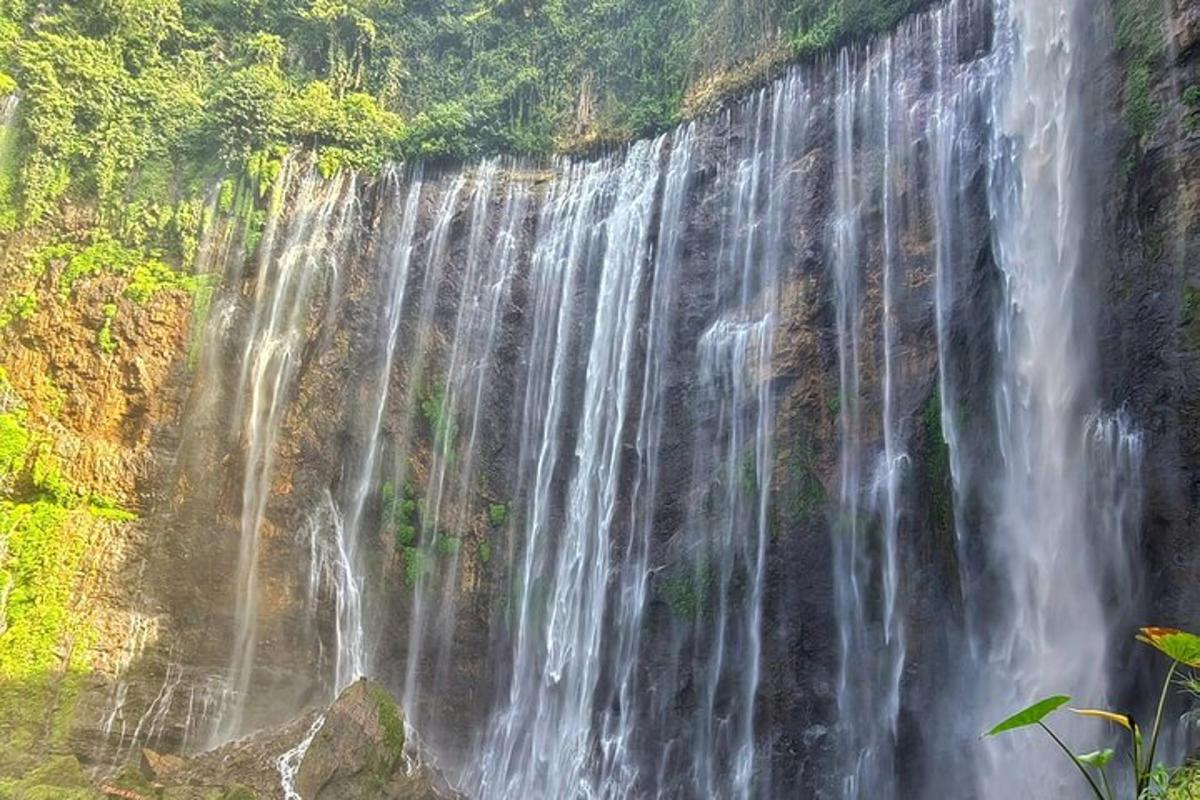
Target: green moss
47, 477
399, 514
498, 514
447, 545
105, 338
131, 779
443, 429
807, 499
1139, 34
749, 473
20, 307
14, 443
146, 273
1140, 111
418, 564
58, 772
44, 554
11, 160
1191, 317
1191, 121
485, 552
106, 508
44, 639
937, 463
205, 287
687, 590
391, 724
151, 277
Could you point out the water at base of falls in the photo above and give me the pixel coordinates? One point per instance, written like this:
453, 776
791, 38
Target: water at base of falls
554, 513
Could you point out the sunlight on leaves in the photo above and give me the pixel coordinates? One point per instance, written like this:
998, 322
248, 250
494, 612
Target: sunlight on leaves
1031, 715
1178, 645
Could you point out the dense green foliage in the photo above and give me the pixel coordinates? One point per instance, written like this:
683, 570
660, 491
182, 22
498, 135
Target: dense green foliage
399, 514
138, 105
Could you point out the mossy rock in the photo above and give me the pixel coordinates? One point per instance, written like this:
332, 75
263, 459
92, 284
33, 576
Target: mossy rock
61, 771
236, 793
15, 763
59, 778
233, 792
55, 793
130, 779
358, 752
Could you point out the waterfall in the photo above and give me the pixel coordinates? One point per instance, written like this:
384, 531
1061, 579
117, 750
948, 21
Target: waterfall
9, 106
298, 244
554, 411
1048, 627
541, 741
455, 413
733, 470
880, 113
351, 652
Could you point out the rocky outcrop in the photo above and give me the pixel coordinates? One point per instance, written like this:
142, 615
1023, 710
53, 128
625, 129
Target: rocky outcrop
359, 753
353, 750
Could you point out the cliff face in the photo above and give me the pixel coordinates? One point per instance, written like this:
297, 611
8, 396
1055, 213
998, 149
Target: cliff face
667, 472
1148, 336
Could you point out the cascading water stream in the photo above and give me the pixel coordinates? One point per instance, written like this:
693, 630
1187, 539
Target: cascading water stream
351, 656
541, 742
619, 770
1049, 629
872, 110
294, 251
484, 293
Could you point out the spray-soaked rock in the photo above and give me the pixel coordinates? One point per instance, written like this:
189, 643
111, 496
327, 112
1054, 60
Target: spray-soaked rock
359, 753
354, 750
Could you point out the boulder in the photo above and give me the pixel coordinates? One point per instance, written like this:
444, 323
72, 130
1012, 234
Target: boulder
358, 752
159, 766
353, 750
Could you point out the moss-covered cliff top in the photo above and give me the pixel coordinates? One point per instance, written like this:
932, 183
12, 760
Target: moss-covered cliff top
131, 103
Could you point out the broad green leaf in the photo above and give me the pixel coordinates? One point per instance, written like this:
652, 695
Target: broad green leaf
1124, 720
1031, 715
1178, 645
1098, 759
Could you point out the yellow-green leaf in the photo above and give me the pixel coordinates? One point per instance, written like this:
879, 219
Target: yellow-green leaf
1031, 715
1124, 720
1178, 645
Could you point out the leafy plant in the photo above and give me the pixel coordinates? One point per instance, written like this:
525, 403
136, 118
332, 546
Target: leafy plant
1151, 778
399, 514
442, 425
498, 514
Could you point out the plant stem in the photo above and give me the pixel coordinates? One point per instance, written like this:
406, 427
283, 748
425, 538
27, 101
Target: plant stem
1162, 701
1107, 788
1082, 769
